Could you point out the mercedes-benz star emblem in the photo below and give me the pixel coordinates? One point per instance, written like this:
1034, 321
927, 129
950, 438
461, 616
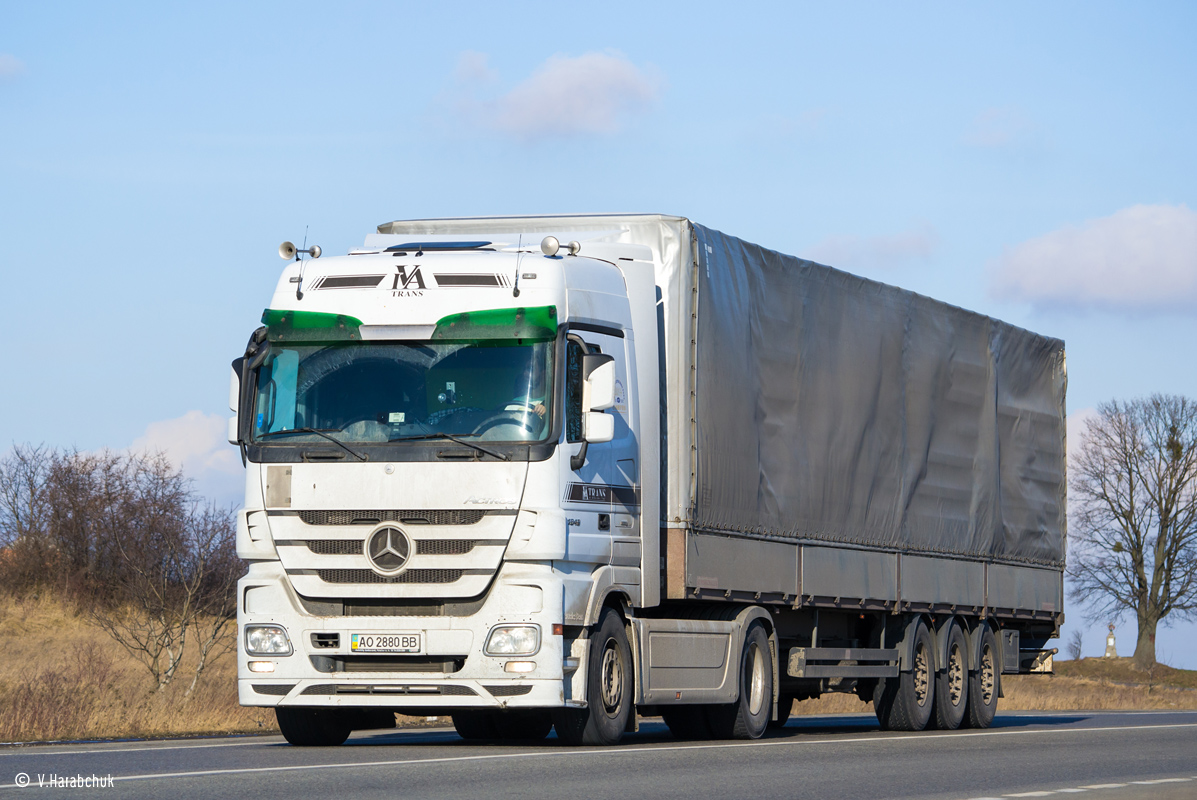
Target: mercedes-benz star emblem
388, 550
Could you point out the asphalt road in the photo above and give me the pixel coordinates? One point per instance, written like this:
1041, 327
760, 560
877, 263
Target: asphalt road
1105, 756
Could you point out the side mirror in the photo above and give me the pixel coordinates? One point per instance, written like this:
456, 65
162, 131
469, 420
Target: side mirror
234, 404
598, 370
598, 427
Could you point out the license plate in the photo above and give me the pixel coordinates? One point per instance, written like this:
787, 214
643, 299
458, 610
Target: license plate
386, 642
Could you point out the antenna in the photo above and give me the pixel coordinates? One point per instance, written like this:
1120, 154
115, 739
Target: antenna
515, 292
288, 251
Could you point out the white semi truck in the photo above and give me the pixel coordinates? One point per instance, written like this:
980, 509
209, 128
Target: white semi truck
538, 472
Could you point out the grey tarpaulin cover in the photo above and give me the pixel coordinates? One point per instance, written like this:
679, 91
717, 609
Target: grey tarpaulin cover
832, 407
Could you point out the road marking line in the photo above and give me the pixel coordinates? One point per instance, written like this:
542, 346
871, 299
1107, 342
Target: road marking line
1029, 794
1070, 791
1105, 786
645, 749
1162, 780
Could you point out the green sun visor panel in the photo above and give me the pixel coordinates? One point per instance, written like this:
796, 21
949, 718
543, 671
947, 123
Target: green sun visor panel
310, 326
538, 323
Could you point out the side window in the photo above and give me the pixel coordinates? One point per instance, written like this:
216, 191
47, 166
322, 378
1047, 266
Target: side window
573, 389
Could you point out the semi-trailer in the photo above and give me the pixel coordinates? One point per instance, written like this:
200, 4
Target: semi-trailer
548, 472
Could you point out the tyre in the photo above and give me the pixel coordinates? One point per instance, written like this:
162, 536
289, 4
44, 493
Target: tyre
688, 723
748, 717
951, 681
608, 688
905, 703
785, 704
532, 725
476, 725
313, 727
983, 682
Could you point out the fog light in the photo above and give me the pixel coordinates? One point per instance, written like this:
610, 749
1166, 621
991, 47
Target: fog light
267, 640
519, 666
513, 640
261, 666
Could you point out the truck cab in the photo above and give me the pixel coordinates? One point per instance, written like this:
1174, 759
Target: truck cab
444, 441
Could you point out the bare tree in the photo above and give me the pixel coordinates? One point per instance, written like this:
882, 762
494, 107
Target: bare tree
124, 536
1134, 534
24, 516
1074, 644
214, 568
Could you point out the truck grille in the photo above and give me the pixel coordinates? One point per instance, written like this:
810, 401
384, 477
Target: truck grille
370, 576
426, 547
467, 516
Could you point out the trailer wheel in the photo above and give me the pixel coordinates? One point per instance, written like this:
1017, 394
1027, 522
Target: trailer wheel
475, 724
312, 727
983, 683
608, 689
785, 706
748, 717
905, 703
530, 724
951, 682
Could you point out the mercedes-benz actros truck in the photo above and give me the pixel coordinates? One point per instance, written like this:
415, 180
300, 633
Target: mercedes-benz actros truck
550, 472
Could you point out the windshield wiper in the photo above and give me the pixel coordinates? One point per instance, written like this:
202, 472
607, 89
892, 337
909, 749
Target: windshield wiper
319, 432
453, 438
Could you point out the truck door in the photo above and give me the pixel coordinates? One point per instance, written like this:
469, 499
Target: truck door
602, 497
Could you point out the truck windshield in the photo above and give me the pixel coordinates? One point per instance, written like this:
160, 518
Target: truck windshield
372, 392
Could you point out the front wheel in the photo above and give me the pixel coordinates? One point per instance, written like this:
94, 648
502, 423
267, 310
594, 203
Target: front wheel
608, 689
313, 727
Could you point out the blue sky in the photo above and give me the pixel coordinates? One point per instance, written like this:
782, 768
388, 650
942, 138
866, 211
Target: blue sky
1034, 162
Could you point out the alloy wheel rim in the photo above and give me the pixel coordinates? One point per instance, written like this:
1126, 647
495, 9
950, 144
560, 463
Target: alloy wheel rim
956, 676
987, 676
922, 680
755, 669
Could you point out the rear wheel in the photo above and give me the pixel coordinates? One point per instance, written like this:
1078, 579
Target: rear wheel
983, 682
748, 717
951, 682
313, 727
608, 688
905, 703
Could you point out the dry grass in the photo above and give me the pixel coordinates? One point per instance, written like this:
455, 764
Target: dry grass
63, 678
1101, 684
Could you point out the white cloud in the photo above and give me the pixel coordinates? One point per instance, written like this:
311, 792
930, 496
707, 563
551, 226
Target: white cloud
999, 127
591, 94
197, 443
1140, 258
473, 67
853, 252
10, 66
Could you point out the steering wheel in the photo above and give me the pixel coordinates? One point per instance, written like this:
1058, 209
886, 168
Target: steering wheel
505, 418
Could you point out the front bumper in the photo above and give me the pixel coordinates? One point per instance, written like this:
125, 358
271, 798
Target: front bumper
452, 672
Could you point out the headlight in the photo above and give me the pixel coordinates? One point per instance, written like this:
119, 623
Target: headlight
267, 640
513, 640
